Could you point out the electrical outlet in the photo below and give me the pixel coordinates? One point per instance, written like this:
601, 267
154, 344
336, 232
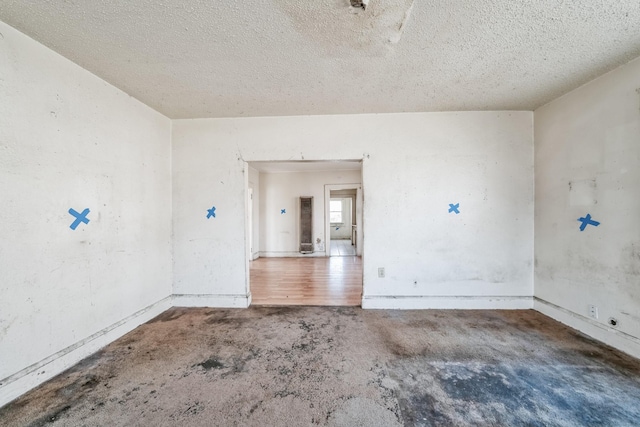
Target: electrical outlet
381, 272
593, 311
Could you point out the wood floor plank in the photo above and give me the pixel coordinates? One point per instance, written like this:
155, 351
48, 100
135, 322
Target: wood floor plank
329, 281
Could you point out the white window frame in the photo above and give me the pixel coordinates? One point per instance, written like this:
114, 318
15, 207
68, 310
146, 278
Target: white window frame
333, 211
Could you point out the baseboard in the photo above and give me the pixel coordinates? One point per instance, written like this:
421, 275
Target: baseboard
287, 254
21, 382
447, 302
212, 300
610, 336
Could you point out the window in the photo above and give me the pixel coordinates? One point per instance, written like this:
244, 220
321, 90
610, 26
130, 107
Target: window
335, 211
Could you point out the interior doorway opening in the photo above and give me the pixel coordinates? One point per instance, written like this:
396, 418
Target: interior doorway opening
279, 272
342, 223
343, 219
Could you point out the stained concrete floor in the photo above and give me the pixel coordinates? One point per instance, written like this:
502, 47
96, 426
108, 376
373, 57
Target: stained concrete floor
342, 367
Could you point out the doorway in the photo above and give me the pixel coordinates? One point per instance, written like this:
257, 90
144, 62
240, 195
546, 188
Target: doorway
342, 223
279, 273
250, 221
343, 219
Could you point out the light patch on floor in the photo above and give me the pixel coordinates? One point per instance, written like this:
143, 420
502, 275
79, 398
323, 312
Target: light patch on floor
342, 248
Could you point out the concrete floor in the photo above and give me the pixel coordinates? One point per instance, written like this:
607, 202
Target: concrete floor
342, 367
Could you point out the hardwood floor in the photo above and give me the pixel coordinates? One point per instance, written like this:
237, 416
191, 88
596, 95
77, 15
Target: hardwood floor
307, 281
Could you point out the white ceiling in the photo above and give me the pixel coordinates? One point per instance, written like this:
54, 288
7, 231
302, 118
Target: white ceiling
204, 58
306, 166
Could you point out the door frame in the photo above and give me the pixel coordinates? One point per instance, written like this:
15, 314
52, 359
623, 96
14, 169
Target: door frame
327, 223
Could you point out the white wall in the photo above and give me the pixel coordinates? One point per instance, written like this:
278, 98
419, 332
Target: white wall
587, 159
70, 140
280, 233
414, 165
254, 184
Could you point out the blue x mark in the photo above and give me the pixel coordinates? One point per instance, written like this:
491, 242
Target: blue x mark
211, 212
80, 217
587, 221
454, 208
283, 211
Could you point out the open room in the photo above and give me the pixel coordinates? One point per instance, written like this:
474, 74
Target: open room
331, 213
292, 224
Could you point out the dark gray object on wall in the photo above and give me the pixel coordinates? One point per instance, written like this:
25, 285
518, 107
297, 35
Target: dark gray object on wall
306, 225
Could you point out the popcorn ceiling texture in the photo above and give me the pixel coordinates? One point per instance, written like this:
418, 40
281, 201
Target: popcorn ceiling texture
195, 58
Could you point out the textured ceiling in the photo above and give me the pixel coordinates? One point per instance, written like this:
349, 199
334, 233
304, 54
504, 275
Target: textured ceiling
203, 58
